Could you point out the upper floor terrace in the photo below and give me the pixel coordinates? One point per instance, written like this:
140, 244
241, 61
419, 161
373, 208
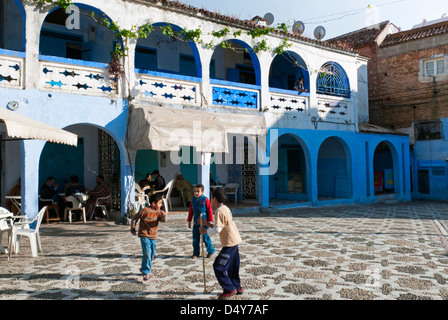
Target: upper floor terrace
50, 49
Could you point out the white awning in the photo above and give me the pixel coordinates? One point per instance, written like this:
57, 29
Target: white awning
20, 126
168, 129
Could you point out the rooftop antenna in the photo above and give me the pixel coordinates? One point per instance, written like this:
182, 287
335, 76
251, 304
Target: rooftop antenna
269, 17
319, 33
298, 28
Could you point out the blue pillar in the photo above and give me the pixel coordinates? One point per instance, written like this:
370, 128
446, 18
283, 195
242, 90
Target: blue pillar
31, 151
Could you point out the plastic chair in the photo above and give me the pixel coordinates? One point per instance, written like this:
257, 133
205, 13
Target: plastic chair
232, 188
6, 225
167, 198
21, 228
101, 202
141, 198
51, 205
76, 206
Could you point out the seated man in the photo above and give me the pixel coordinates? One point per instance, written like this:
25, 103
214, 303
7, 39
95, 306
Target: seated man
73, 188
145, 184
159, 181
185, 186
49, 190
101, 190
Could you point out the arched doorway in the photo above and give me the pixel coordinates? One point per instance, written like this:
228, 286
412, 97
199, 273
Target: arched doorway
383, 169
96, 153
291, 181
88, 40
162, 53
12, 28
235, 63
334, 178
286, 69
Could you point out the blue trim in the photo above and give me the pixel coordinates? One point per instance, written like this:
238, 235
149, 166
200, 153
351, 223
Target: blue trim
19, 54
74, 61
235, 84
253, 57
168, 75
292, 92
23, 14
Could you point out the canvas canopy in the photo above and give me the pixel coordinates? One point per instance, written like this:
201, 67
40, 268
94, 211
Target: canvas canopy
168, 129
23, 127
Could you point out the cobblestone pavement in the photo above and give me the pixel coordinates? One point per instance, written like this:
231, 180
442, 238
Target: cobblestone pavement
378, 251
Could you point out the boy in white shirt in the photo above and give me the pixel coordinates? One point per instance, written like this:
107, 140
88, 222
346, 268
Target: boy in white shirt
227, 263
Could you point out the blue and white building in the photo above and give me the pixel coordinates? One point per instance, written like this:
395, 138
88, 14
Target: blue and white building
319, 146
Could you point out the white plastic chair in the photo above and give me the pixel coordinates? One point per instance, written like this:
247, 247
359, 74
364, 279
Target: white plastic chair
101, 203
76, 206
6, 225
21, 228
141, 198
167, 198
232, 188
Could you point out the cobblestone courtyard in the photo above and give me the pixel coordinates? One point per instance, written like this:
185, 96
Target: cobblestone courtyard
378, 251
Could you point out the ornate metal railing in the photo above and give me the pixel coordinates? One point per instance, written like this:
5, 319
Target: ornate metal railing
230, 94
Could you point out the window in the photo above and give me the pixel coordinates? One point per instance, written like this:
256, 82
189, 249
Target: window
332, 80
428, 130
434, 67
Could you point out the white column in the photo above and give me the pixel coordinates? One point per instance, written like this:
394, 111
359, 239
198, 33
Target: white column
204, 172
31, 151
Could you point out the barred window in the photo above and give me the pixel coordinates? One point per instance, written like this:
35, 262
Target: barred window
332, 80
428, 130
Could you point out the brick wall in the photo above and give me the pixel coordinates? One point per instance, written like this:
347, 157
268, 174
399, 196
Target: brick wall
399, 95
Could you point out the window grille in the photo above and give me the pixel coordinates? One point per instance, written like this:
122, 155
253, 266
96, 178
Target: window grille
332, 80
428, 130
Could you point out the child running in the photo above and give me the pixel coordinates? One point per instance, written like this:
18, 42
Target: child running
227, 263
149, 218
200, 204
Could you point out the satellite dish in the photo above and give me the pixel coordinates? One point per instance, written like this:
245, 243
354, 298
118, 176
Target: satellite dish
319, 33
269, 17
298, 28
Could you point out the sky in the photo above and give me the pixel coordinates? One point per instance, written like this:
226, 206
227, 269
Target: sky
337, 17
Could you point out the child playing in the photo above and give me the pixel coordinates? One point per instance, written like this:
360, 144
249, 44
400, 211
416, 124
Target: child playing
149, 218
200, 204
227, 263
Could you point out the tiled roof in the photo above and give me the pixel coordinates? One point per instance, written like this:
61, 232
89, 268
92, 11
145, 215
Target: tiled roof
244, 23
361, 37
415, 34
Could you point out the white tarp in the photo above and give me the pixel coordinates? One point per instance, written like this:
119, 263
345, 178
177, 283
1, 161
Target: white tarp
168, 129
20, 126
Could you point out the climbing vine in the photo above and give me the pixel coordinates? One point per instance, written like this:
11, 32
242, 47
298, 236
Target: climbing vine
144, 30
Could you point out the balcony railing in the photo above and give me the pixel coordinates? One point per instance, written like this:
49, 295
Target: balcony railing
167, 88
287, 101
11, 69
233, 94
334, 109
76, 76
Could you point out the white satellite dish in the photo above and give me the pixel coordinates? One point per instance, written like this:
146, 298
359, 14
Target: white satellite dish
269, 17
298, 28
319, 33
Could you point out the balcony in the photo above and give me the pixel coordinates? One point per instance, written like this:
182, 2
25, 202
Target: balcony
76, 77
287, 101
11, 69
162, 87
